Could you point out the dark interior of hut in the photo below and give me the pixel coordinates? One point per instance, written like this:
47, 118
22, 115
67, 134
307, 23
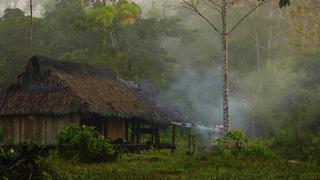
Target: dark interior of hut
135, 134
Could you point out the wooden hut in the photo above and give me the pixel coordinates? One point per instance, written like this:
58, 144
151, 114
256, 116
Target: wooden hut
49, 95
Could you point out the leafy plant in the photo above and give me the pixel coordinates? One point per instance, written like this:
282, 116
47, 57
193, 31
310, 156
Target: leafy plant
21, 161
124, 13
84, 144
234, 144
305, 147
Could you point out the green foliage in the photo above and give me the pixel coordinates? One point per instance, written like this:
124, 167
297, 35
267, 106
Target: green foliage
127, 13
13, 22
122, 13
302, 36
234, 144
113, 36
288, 112
21, 162
104, 15
78, 55
12, 13
84, 144
284, 3
292, 146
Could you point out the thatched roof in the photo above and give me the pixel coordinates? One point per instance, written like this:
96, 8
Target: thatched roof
55, 88
163, 106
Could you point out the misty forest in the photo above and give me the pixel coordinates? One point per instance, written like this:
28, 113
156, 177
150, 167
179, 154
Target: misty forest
159, 89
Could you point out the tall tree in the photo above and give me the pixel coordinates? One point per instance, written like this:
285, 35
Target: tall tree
222, 7
304, 27
122, 13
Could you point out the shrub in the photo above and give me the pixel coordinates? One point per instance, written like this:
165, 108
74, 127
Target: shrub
306, 147
256, 150
84, 144
21, 161
234, 144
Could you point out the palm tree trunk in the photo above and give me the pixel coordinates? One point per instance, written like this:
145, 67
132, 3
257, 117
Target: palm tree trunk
226, 113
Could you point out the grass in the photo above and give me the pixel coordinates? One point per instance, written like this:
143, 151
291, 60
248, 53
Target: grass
163, 165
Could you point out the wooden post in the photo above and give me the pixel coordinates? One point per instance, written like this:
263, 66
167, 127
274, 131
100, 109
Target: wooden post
105, 127
133, 132
126, 132
193, 144
189, 142
138, 133
153, 134
157, 135
102, 122
173, 149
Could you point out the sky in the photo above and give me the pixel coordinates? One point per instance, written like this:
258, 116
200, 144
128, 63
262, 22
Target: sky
21, 5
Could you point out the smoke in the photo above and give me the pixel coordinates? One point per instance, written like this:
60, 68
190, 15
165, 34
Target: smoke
201, 94
160, 8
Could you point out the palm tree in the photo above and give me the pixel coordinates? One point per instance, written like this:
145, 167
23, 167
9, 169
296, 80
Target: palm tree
109, 17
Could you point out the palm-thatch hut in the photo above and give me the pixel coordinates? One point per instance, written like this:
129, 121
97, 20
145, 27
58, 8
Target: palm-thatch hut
50, 95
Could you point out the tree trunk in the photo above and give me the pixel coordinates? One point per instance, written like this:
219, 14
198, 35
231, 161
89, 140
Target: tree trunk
30, 30
304, 25
270, 35
226, 113
223, 9
260, 86
257, 46
82, 4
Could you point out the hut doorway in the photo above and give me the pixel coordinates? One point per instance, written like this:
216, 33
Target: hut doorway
94, 121
110, 127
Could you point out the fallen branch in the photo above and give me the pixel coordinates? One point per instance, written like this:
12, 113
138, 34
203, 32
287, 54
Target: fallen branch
17, 163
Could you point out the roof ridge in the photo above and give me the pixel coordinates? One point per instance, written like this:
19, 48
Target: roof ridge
70, 67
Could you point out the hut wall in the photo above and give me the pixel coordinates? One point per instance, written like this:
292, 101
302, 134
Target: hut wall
44, 129
114, 128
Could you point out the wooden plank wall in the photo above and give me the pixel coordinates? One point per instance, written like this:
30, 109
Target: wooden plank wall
114, 128
43, 129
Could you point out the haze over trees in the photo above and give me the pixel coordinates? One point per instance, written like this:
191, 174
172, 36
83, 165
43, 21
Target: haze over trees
274, 58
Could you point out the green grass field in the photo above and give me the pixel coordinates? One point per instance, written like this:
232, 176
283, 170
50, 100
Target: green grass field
164, 165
